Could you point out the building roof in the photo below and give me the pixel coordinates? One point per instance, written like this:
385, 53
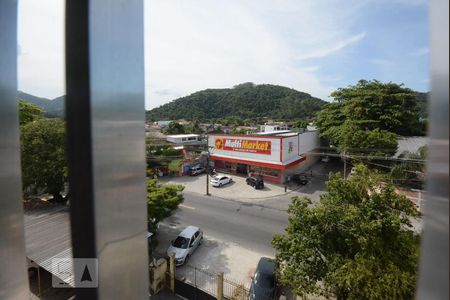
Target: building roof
410, 144
47, 236
183, 135
277, 132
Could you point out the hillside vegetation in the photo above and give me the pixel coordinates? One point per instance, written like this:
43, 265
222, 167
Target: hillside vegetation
52, 108
246, 100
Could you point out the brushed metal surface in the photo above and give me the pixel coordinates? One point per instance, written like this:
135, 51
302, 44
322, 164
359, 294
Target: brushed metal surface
105, 92
13, 277
433, 280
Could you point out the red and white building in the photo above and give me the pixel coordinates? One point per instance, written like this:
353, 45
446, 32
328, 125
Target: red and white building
272, 156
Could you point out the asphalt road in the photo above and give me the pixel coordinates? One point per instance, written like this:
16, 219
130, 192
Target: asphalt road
251, 226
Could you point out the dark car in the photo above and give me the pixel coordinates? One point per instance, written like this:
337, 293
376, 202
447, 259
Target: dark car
263, 285
300, 179
256, 182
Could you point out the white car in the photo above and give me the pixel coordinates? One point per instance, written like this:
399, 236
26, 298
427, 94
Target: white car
185, 244
220, 180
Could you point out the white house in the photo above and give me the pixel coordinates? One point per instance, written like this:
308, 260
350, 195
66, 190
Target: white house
183, 138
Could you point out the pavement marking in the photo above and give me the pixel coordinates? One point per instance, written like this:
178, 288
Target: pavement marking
186, 206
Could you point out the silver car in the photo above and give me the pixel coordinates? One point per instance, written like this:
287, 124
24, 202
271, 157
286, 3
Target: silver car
185, 244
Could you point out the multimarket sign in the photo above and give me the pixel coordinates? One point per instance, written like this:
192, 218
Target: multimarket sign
243, 145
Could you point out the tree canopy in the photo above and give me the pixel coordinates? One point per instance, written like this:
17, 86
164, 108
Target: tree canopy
245, 101
356, 243
368, 116
43, 153
175, 128
162, 199
28, 112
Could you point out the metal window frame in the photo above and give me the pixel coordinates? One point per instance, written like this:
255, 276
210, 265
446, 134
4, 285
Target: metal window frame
14, 277
433, 281
105, 112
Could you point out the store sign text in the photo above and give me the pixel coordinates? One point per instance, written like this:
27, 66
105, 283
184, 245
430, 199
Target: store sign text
252, 146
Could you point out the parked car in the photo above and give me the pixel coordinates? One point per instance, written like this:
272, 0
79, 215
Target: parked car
299, 179
185, 244
197, 170
220, 180
263, 285
256, 182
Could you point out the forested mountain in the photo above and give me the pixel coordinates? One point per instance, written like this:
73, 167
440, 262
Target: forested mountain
245, 100
53, 107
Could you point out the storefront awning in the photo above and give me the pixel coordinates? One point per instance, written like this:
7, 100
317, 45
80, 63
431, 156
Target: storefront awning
259, 163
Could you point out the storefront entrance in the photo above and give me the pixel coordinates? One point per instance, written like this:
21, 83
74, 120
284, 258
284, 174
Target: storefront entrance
242, 169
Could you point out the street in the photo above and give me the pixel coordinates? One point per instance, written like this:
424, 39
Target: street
238, 227
248, 225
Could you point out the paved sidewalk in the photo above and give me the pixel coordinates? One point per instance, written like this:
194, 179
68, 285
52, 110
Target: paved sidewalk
239, 190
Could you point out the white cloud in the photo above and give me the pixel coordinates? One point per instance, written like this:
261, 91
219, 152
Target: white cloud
332, 48
194, 45
217, 44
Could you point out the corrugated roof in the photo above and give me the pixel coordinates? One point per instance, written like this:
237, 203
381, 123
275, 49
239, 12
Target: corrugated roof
47, 236
410, 144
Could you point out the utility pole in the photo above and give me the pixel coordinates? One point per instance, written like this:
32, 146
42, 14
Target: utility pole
207, 176
207, 167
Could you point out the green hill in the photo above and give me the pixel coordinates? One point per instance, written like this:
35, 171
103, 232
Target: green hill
245, 100
53, 107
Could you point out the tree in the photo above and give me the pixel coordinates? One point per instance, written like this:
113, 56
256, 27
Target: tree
356, 243
28, 112
43, 152
175, 128
370, 109
301, 123
162, 199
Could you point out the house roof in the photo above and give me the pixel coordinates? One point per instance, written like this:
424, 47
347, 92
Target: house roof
410, 144
47, 236
183, 135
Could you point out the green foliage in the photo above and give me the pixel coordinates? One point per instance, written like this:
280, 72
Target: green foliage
28, 112
174, 165
162, 199
356, 243
194, 128
370, 110
49, 107
246, 101
301, 123
43, 152
175, 128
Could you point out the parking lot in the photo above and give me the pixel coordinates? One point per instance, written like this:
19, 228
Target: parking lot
239, 190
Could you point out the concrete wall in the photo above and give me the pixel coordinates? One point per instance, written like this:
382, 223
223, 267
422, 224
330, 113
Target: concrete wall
308, 141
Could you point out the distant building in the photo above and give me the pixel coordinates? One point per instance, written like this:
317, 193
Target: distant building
272, 127
183, 139
163, 123
274, 157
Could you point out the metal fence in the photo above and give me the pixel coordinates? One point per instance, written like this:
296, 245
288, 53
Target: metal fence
201, 279
235, 290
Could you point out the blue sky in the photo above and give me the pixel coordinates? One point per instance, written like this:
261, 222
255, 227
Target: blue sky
310, 45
